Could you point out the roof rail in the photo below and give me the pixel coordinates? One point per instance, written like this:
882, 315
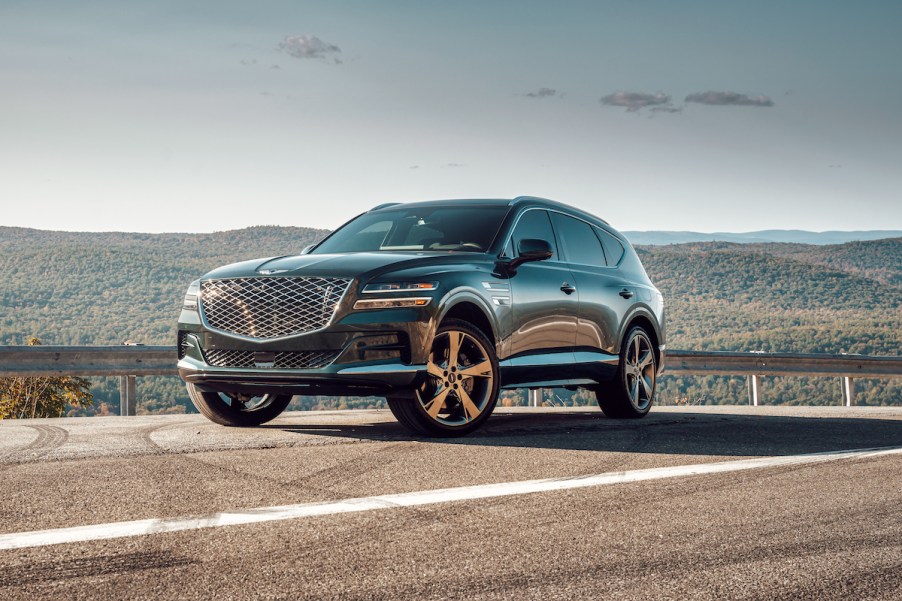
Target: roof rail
527, 197
384, 205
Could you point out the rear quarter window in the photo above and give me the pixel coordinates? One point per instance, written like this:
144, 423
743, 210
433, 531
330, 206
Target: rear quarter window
579, 244
613, 249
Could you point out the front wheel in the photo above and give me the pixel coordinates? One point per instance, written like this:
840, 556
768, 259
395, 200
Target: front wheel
461, 385
238, 409
632, 392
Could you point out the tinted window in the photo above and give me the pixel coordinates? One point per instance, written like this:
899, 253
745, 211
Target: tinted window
613, 249
437, 228
534, 225
578, 241
369, 237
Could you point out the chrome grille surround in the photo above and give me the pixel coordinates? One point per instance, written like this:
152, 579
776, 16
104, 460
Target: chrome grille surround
264, 308
283, 359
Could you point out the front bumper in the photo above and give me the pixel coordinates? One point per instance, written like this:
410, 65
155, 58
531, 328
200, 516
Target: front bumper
350, 374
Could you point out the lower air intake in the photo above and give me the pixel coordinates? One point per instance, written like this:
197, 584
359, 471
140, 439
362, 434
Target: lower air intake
283, 359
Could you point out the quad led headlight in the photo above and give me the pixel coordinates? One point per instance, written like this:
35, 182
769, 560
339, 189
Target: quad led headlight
392, 303
400, 287
190, 302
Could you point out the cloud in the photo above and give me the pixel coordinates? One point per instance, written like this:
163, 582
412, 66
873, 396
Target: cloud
542, 93
453, 165
634, 101
729, 99
309, 46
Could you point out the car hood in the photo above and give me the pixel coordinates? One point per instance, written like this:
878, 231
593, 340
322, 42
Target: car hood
349, 265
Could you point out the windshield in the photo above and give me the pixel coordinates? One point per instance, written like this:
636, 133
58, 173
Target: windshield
448, 229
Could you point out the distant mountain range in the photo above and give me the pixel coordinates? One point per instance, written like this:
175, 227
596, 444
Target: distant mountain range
643, 238
656, 238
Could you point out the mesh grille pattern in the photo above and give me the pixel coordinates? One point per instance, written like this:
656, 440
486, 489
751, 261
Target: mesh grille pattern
283, 360
271, 307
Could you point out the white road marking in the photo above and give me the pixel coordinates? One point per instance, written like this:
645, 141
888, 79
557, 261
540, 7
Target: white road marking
41, 538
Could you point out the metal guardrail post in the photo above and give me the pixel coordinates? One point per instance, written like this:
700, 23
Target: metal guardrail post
128, 395
754, 388
848, 391
535, 396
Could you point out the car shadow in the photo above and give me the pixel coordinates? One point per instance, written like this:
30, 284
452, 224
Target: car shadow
680, 433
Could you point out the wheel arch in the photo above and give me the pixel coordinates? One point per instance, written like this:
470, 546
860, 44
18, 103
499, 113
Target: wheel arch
647, 321
472, 309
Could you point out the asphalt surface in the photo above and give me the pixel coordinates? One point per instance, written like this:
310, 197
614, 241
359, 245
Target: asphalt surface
820, 531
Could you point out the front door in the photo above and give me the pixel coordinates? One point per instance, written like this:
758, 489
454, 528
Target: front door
545, 310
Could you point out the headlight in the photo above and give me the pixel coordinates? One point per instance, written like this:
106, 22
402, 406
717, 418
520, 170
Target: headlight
190, 303
400, 287
391, 303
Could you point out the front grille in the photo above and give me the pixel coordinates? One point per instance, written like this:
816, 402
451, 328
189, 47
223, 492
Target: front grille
283, 359
271, 307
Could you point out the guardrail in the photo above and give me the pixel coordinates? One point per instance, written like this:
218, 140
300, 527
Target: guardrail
128, 362
755, 365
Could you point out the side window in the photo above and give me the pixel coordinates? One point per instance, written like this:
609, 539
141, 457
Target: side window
579, 243
534, 224
613, 249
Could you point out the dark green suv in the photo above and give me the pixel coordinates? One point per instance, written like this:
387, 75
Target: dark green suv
435, 306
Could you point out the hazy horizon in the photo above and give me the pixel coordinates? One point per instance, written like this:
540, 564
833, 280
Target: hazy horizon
211, 116
890, 233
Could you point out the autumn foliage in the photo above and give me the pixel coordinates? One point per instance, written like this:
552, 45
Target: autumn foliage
42, 396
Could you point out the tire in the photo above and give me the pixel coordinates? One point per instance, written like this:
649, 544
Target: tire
238, 411
460, 389
632, 392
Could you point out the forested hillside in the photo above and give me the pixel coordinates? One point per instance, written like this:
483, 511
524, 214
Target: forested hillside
781, 298
106, 288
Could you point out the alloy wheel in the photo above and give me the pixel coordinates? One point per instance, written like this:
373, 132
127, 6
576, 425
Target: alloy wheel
246, 402
460, 383
639, 371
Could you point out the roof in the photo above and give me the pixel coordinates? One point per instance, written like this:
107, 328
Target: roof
493, 202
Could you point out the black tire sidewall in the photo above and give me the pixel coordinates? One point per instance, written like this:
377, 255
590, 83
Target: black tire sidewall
214, 408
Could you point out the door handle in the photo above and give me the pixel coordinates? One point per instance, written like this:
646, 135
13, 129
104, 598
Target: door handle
567, 288
626, 293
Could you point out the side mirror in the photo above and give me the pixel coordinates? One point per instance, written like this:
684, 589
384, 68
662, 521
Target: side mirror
531, 249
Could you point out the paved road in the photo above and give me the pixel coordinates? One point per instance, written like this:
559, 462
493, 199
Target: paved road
826, 530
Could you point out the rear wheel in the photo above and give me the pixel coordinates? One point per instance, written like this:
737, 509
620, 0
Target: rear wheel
238, 409
461, 385
632, 392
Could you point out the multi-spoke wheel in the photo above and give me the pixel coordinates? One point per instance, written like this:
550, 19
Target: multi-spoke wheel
633, 391
460, 388
238, 409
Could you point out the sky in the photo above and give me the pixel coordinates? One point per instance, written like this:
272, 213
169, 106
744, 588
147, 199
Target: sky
652, 114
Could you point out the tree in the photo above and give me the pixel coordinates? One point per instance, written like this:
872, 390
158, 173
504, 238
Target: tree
42, 396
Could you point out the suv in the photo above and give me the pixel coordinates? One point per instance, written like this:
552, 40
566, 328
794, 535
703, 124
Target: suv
435, 306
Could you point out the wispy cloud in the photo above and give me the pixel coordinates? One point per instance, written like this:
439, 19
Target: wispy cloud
666, 109
729, 99
309, 46
542, 93
634, 101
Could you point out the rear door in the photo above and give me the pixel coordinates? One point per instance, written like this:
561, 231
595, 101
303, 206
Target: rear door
601, 307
